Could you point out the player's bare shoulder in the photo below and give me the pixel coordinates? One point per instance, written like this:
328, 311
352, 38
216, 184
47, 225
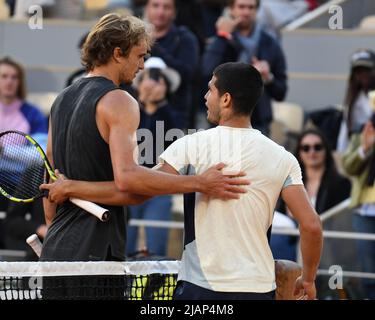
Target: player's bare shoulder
117, 104
117, 109
117, 100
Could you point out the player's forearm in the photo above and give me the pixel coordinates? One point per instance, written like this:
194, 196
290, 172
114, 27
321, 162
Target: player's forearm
311, 248
140, 180
101, 192
49, 211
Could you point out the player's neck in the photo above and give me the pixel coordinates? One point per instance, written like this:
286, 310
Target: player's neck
104, 72
236, 122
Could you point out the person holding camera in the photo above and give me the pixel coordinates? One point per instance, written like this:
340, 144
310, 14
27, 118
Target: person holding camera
155, 86
240, 37
359, 162
357, 108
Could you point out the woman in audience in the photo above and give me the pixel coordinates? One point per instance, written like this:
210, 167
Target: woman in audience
15, 112
324, 185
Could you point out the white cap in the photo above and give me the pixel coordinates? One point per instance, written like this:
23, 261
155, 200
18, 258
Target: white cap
172, 75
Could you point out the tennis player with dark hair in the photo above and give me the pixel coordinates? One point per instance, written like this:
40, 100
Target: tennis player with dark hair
226, 250
226, 246
92, 138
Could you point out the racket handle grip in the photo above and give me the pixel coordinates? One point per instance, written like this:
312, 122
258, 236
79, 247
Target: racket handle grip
34, 242
99, 212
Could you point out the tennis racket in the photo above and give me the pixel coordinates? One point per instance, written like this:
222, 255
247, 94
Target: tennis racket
24, 167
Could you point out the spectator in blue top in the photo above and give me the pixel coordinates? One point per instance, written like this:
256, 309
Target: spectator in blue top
179, 49
240, 38
15, 112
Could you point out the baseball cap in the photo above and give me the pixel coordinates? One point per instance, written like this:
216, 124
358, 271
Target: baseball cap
363, 58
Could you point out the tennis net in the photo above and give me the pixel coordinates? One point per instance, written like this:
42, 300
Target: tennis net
135, 280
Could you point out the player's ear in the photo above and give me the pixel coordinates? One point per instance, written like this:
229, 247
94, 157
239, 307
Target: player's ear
117, 54
226, 100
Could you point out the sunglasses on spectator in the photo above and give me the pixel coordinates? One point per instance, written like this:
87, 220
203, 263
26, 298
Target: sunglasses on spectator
316, 147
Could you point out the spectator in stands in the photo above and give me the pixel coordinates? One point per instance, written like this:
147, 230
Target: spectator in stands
179, 49
240, 38
191, 14
324, 185
15, 112
359, 162
357, 109
155, 85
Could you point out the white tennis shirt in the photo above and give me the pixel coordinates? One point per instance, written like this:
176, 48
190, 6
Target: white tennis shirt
226, 247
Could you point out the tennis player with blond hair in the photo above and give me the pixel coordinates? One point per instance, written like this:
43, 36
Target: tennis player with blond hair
92, 138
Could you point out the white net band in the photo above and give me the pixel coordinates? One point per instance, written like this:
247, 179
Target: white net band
45, 269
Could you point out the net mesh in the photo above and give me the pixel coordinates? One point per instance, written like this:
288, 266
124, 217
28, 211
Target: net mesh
140, 280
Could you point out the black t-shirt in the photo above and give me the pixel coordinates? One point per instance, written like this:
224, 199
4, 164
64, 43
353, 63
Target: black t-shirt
80, 153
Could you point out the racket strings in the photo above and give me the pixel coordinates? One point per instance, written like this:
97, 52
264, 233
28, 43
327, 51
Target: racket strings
21, 180
21, 166
18, 189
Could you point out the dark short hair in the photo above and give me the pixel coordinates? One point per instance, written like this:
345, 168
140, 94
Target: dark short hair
110, 32
243, 82
21, 91
232, 2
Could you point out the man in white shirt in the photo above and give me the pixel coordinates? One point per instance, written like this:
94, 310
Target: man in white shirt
226, 246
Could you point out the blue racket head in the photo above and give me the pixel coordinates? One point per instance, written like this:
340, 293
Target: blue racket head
23, 167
